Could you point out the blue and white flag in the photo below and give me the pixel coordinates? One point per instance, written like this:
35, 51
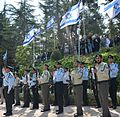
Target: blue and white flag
100, 2
5, 56
29, 37
50, 22
72, 16
112, 8
37, 31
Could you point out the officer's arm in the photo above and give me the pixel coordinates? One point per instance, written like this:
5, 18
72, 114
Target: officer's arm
115, 69
11, 82
54, 75
85, 74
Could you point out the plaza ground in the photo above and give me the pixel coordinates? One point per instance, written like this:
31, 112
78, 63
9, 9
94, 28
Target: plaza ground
89, 111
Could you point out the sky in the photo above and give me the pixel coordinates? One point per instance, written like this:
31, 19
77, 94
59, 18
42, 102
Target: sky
14, 2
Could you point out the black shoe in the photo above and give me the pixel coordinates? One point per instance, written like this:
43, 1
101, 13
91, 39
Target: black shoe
4, 113
66, 105
17, 105
111, 107
114, 107
105, 116
8, 114
97, 106
34, 108
24, 106
77, 115
59, 112
53, 104
44, 110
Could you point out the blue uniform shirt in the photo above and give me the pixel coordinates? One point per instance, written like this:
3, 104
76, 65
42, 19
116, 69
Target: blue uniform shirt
58, 75
84, 71
9, 80
33, 81
113, 70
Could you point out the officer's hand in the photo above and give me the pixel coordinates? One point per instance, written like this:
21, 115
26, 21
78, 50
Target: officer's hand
95, 71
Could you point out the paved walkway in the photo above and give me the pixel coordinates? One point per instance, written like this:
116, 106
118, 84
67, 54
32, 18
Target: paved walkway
68, 112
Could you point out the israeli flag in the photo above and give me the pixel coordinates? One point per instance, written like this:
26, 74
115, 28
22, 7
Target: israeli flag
37, 31
72, 16
50, 22
29, 37
100, 2
112, 8
5, 56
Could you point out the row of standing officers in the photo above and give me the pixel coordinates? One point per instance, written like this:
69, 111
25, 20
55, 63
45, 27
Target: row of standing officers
102, 75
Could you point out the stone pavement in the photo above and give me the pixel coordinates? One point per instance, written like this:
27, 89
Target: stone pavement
69, 111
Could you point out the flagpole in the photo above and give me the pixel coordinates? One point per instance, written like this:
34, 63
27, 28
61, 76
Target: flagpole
54, 37
33, 46
78, 32
84, 28
79, 36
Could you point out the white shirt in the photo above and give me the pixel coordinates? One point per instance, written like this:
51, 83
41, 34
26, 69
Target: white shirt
66, 77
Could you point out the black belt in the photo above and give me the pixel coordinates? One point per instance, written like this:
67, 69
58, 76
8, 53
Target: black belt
5, 86
77, 85
102, 81
60, 82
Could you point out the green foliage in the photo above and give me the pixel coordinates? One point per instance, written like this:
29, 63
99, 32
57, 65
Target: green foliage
56, 55
24, 56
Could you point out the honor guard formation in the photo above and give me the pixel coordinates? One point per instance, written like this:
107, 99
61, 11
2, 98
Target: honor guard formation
101, 76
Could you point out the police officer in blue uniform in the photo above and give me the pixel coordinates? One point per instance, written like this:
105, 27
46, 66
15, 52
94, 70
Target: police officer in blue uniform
113, 72
84, 71
58, 80
66, 82
33, 83
8, 83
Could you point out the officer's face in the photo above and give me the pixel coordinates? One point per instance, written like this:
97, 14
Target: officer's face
44, 67
33, 71
82, 65
58, 66
76, 64
7, 70
110, 60
98, 59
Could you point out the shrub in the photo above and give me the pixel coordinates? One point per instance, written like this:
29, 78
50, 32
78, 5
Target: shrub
56, 55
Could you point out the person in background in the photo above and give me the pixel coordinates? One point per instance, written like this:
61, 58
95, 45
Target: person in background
102, 72
76, 78
44, 81
84, 72
66, 80
1, 89
58, 80
33, 84
26, 91
8, 84
17, 90
113, 72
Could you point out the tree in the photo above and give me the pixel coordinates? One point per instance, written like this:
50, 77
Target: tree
15, 23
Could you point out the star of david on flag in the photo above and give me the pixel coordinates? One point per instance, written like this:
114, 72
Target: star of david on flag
30, 36
112, 8
72, 16
50, 22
